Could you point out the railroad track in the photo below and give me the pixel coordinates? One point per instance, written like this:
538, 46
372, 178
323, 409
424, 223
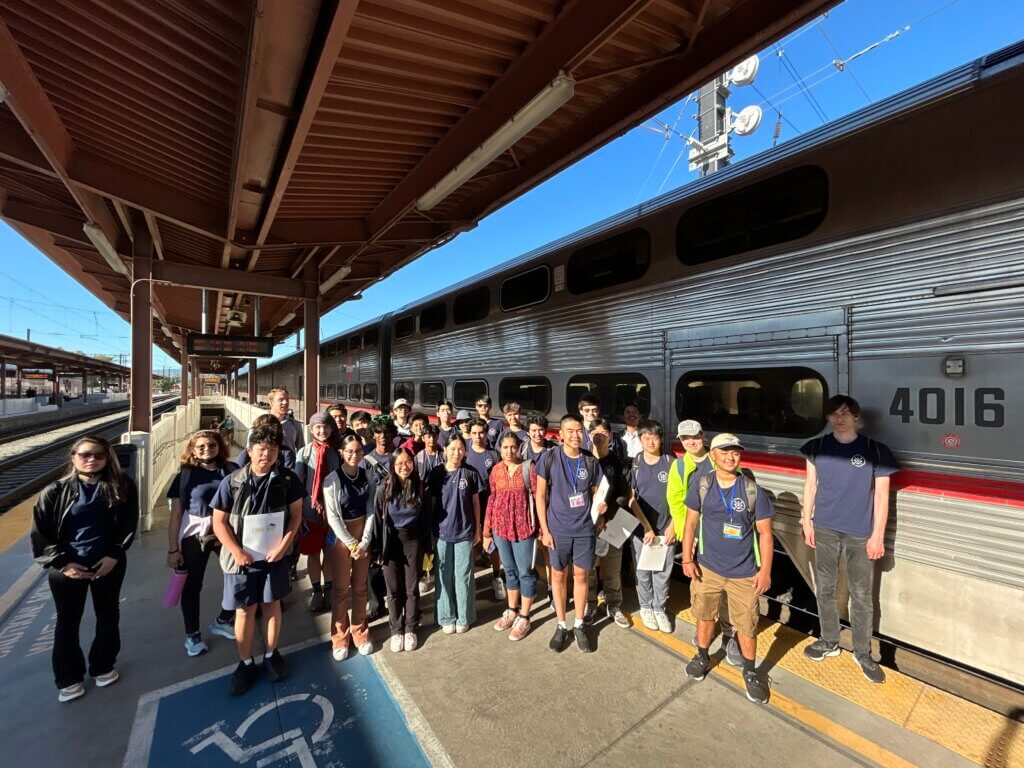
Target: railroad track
22, 475
37, 427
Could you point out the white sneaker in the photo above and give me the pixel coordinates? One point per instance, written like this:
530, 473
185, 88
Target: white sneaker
448, 629
111, 677
499, 589
647, 617
411, 642
194, 645
664, 624
461, 629
365, 649
397, 643
340, 654
71, 692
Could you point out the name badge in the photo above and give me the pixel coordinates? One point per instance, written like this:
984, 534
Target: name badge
577, 500
731, 531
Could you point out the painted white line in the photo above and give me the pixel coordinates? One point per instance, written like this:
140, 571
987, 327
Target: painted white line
19, 588
428, 740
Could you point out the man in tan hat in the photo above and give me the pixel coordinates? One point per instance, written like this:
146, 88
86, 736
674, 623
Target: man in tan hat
731, 518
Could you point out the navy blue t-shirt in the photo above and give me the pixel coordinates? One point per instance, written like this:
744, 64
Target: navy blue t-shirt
845, 500
197, 498
522, 434
494, 428
356, 494
452, 501
402, 515
294, 491
611, 468
483, 462
650, 484
532, 454
425, 462
87, 532
729, 557
567, 477
444, 435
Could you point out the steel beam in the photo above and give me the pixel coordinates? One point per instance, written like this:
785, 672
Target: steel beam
228, 280
311, 354
141, 418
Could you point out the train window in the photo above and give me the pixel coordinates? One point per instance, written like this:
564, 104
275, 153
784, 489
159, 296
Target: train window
616, 260
466, 393
471, 306
370, 393
405, 389
341, 346
431, 392
330, 391
355, 341
532, 394
784, 402
405, 326
323, 390
783, 208
353, 391
524, 289
433, 318
370, 338
615, 391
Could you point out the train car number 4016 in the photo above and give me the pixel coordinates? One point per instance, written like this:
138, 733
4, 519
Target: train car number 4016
988, 410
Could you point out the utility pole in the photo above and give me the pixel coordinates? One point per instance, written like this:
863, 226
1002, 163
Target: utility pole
711, 151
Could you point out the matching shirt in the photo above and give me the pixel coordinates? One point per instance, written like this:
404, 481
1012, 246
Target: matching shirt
451, 495
425, 462
569, 486
402, 515
494, 428
196, 497
88, 532
726, 528
483, 462
294, 491
445, 435
355, 494
650, 484
845, 500
522, 434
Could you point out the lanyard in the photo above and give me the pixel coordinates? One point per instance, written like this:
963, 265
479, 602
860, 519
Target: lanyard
571, 473
732, 496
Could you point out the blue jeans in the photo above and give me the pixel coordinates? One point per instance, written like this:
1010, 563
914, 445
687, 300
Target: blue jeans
456, 593
652, 586
517, 559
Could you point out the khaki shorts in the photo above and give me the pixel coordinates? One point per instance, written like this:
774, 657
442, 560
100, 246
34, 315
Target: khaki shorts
705, 596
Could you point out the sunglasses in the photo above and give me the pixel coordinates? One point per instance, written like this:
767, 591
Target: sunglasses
86, 455
206, 446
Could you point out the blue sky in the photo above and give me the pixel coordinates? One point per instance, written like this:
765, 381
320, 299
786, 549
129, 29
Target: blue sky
38, 295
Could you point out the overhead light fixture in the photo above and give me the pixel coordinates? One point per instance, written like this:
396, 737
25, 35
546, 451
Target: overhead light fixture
537, 110
287, 319
177, 344
334, 279
167, 331
3, 93
99, 239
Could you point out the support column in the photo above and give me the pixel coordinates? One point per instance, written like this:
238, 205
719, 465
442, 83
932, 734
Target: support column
3, 379
311, 355
184, 373
17, 379
58, 396
194, 368
252, 381
85, 387
142, 338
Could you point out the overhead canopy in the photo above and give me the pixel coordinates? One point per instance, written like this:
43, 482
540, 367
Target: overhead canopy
295, 148
28, 354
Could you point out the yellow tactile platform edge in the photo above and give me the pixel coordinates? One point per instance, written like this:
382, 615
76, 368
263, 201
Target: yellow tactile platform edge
14, 523
971, 731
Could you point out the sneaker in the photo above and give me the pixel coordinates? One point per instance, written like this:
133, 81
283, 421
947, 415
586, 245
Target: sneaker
620, 618
448, 629
71, 692
733, 654
194, 645
499, 589
647, 617
869, 667
519, 628
819, 650
582, 641
277, 668
557, 642
108, 678
318, 602
226, 630
411, 642
365, 649
504, 624
698, 667
242, 679
663, 622
340, 653
397, 643
590, 617
461, 629
757, 691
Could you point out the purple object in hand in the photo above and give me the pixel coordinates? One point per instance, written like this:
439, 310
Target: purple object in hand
174, 587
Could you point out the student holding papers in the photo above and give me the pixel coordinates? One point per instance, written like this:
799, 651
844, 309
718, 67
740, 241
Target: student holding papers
610, 563
256, 514
655, 546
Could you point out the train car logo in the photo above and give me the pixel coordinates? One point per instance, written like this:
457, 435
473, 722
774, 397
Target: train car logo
739, 505
663, 477
858, 461
951, 440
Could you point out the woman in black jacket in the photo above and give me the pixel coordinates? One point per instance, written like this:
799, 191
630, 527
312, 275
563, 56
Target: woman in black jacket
81, 526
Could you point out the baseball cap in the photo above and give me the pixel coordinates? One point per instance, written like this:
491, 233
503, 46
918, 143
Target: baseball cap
463, 415
689, 428
726, 440
400, 402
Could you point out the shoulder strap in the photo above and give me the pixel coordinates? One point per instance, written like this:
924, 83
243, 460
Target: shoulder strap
186, 475
681, 467
705, 486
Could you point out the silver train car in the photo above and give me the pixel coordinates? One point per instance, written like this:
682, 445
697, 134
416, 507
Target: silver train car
881, 255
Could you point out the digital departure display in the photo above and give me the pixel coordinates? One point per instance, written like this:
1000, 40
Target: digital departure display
215, 345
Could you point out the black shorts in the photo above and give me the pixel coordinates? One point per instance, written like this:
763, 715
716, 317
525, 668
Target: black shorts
579, 550
261, 582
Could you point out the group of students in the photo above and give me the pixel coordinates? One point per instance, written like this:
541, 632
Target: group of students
388, 490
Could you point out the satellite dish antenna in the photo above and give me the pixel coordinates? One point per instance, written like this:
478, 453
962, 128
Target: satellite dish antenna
745, 72
747, 120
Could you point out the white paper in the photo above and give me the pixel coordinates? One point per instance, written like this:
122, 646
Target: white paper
599, 497
619, 528
261, 533
652, 556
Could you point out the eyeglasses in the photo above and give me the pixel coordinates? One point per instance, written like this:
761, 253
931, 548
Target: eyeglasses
86, 455
206, 446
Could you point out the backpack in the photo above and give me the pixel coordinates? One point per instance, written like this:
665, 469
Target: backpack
750, 486
379, 470
526, 465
